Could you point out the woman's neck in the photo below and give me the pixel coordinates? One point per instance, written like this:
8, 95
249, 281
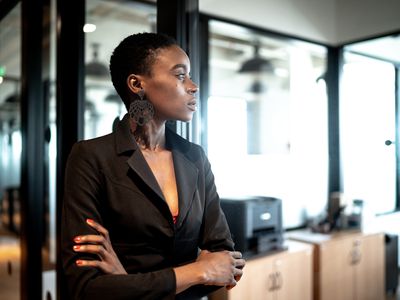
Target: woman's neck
151, 136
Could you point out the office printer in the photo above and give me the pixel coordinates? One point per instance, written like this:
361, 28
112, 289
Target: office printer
255, 223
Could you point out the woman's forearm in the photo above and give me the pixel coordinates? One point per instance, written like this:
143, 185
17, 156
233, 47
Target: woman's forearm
187, 276
221, 268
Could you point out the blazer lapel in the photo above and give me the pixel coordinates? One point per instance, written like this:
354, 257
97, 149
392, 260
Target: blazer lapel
139, 165
186, 174
126, 144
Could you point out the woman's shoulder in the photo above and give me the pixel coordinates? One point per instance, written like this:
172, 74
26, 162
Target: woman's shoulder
93, 146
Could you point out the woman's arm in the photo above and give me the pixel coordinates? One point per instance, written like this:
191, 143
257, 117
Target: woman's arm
84, 198
210, 268
100, 245
216, 235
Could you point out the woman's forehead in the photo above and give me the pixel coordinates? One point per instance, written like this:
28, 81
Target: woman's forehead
171, 57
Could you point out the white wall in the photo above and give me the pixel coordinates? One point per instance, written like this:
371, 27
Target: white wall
326, 21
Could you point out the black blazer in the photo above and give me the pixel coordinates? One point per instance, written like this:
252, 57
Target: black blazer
108, 180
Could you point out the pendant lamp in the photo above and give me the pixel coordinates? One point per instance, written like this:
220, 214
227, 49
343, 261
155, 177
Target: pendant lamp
95, 68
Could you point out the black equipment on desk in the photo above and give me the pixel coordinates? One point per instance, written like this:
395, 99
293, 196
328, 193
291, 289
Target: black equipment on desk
255, 223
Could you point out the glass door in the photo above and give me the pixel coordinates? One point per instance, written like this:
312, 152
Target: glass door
367, 130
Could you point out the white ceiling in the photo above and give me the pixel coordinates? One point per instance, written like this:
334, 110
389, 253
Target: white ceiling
331, 22
325, 21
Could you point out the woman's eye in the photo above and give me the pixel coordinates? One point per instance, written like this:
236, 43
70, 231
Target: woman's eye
181, 76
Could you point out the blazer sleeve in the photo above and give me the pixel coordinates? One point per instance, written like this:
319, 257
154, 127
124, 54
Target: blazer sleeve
216, 235
83, 199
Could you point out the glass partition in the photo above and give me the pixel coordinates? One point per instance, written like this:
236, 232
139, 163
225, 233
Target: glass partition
10, 149
267, 119
107, 23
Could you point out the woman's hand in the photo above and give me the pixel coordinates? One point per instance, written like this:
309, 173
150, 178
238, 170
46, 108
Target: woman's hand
222, 268
101, 246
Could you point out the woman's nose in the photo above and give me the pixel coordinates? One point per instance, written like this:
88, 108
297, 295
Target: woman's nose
193, 89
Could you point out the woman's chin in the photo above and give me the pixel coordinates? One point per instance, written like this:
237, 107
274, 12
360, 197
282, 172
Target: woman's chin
186, 119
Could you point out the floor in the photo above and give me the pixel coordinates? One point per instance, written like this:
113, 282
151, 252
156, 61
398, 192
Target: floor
10, 268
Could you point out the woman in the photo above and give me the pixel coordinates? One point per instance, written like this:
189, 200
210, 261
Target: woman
153, 191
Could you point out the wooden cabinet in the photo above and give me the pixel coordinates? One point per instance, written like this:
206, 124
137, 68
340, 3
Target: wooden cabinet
347, 265
285, 275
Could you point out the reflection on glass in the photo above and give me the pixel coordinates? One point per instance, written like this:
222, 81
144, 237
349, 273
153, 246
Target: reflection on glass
267, 118
368, 112
114, 20
10, 150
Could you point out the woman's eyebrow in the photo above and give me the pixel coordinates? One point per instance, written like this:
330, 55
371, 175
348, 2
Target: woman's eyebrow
180, 66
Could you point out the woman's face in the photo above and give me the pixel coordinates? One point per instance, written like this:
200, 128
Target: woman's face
169, 86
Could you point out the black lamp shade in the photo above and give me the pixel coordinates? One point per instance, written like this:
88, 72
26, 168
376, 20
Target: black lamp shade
96, 69
256, 64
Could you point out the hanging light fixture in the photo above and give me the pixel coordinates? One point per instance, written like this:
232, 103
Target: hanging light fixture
256, 64
95, 68
257, 87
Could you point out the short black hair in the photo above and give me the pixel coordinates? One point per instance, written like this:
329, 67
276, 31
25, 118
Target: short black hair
135, 55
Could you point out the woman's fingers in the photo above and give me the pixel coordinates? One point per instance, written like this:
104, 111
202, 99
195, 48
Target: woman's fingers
88, 263
100, 245
93, 249
238, 273
98, 227
236, 254
90, 238
240, 263
93, 243
222, 268
93, 263
98, 239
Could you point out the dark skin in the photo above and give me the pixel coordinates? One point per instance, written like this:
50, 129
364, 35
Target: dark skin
172, 93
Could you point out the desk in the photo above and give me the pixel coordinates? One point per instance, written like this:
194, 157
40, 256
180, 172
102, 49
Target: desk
283, 275
348, 265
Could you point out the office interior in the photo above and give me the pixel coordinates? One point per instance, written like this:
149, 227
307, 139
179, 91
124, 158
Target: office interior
313, 122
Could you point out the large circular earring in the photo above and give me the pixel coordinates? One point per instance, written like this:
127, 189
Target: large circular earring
141, 111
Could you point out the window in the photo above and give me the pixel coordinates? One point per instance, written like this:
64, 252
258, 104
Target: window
267, 127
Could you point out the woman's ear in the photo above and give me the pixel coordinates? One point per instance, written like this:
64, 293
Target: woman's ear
134, 83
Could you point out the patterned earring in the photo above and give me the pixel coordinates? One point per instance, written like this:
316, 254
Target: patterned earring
141, 111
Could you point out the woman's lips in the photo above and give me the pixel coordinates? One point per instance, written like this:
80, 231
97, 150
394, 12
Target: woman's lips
192, 105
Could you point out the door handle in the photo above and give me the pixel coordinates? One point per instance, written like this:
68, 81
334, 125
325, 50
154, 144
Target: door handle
389, 142
271, 282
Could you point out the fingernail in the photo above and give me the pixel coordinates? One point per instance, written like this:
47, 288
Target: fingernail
79, 262
77, 247
77, 239
89, 221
